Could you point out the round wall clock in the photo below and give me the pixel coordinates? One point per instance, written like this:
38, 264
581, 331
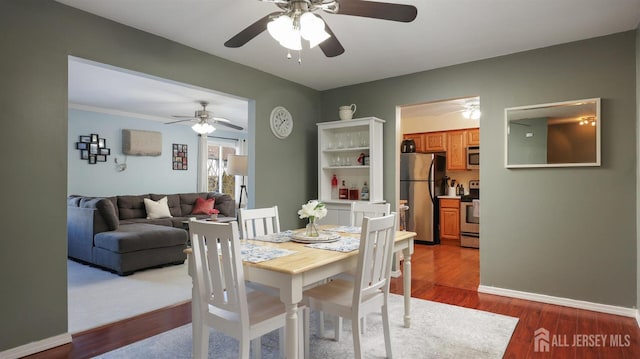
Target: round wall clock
281, 122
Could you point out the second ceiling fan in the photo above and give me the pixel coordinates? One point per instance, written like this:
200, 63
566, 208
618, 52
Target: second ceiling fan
296, 20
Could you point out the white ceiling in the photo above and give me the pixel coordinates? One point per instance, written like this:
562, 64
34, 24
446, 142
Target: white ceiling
446, 32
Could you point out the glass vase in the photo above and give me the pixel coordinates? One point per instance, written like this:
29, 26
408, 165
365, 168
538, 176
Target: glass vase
312, 229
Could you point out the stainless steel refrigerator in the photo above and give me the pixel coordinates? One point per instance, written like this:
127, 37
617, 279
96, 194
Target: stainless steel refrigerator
421, 181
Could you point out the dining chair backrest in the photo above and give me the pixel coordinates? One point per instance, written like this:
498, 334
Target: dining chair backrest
375, 256
259, 221
359, 210
218, 272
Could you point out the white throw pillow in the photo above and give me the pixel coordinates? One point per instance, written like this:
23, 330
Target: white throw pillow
159, 209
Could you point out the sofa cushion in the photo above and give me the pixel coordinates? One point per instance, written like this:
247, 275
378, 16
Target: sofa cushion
157, 209
108, 212
225, 203
188, 200
173, 201
132, 207
203, 206
140, 236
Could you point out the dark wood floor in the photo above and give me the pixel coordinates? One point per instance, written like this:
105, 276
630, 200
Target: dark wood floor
444, 273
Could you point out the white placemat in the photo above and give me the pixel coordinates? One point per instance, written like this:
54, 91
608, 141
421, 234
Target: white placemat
279, 237
254, 253
344, 244
345, 229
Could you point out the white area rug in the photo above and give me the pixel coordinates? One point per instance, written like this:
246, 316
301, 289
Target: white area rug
98, 297
437, 331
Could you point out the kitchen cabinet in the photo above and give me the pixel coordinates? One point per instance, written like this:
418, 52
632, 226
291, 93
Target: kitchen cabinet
352, 151
456, 150
435, 141
450, 218
473, 137
418, 138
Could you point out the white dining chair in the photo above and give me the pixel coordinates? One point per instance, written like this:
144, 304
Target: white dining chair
258, 221
224, 303
359, 210
369, 292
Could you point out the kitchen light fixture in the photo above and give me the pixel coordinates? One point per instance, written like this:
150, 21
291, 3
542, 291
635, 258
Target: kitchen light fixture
238, 165
588, 120
298, 23
203, 127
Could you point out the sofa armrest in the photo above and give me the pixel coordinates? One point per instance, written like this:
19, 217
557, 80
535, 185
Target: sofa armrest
80, 231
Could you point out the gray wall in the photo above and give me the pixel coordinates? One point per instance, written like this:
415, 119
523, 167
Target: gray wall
638, 167
566, 232
37, 36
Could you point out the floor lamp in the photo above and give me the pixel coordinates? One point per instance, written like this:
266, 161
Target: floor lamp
237, 165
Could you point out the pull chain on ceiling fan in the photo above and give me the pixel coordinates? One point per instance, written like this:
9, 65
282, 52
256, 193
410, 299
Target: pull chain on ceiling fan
297, 21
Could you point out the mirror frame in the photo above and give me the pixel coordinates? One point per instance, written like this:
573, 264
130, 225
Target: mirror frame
552, 105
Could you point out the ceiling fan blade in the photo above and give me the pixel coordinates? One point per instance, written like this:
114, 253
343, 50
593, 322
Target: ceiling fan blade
227, 124
189, 119
331, 46
378, 10
250, 32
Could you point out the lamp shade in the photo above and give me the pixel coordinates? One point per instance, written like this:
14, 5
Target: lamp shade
237, 165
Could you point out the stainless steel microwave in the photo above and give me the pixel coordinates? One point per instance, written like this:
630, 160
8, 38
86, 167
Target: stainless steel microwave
473, 157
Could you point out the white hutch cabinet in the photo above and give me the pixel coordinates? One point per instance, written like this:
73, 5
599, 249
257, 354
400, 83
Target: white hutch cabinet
351, 150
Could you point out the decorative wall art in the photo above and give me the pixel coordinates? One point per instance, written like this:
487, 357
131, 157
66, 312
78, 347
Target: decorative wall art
179, 158
93, 148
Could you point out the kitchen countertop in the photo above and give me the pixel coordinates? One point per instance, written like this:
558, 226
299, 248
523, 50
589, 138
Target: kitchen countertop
452, 197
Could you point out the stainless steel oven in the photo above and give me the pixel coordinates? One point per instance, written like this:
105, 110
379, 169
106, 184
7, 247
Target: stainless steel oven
470, 216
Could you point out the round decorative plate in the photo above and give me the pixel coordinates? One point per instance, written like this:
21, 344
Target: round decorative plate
324, 237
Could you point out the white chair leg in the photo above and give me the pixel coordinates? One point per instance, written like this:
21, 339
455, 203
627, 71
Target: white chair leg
387, 330
357, 338
256, 346
202, 343
244, 349
337, 328
307, 330
363, 324
303, 330
281, 342
321, 324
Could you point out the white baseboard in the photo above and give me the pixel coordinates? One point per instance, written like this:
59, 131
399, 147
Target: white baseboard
36, 347
573, 303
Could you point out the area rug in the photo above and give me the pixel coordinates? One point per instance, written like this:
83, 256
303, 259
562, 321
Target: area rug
97, 297
437, 331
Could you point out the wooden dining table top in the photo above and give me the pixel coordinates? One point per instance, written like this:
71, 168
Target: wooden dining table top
306, 258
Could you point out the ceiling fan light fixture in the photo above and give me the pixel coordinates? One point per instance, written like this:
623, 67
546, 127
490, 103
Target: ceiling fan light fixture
203, 128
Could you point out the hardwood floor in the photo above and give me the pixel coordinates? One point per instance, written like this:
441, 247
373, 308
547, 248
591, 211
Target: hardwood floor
444, 273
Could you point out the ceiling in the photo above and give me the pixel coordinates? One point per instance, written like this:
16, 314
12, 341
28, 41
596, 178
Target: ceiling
445, 32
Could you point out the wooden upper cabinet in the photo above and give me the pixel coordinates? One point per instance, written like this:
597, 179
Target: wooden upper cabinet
435, 141
418, 138
456, 150
473, 137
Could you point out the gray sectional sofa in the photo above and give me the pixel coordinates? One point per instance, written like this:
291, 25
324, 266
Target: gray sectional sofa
114, 233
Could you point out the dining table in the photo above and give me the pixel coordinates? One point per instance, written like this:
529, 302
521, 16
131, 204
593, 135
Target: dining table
300, 265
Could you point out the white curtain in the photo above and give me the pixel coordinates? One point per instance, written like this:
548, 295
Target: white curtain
203, 153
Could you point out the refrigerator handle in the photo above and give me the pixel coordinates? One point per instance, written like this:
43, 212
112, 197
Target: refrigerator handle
430, 181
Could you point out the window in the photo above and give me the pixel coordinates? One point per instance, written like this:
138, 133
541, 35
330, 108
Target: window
218, 180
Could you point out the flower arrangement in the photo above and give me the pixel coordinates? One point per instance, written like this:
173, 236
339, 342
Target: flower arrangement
214, 213
313, 210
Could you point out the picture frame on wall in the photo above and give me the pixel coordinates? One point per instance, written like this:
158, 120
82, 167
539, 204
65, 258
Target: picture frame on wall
102, 143
92, 159
84, 154
93, 148
81, 145
104, 151
94, 137
179, 157
86, 139
101, 158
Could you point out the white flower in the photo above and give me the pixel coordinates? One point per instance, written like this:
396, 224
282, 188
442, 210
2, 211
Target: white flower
313, 209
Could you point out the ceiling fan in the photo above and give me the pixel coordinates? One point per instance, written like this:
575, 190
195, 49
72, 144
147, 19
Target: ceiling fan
205, 120
296, 20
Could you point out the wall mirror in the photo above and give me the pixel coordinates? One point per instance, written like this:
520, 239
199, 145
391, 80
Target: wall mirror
562, 134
